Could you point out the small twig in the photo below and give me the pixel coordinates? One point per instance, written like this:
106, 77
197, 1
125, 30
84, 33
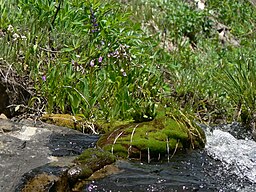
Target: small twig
2, 73
164, 37
176, 147
52, 23
56, 13
26, 107
7, 73
91, 126
133, 131
48, 50
110, 135
79, 94
168, 149
112, 149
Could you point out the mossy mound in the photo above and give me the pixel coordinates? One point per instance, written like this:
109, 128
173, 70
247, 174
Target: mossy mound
161, 136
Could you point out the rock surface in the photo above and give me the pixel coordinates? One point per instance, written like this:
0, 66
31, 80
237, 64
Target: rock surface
25, 148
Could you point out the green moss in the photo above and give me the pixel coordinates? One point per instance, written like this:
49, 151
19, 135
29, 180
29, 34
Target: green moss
95, 158
153, 135
86, 171
154, 145
118, 149
105, 127
176, 134
158, 135
64, 120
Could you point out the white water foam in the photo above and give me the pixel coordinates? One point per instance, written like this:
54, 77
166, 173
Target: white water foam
237, 155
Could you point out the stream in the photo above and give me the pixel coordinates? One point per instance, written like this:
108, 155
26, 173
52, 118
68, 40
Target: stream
228, 163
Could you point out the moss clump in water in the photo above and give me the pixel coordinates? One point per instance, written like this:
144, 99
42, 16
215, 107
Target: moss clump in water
136, 139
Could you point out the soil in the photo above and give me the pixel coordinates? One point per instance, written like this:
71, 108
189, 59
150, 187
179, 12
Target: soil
15, 92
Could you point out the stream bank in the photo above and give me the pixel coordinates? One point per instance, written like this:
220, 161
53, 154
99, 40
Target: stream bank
227, 164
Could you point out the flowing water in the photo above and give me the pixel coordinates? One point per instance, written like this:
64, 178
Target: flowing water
228, 163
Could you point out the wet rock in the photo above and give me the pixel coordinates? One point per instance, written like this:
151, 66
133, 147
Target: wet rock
95, 159
154, 139
68, 176
25, 146
90, 161
44, 178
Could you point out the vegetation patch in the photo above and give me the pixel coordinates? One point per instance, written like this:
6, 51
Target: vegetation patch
110, 61
162, 136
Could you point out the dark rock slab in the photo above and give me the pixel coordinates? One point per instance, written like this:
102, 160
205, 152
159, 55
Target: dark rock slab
25, 146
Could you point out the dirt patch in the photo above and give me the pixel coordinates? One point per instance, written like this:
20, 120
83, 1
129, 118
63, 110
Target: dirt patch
14, 91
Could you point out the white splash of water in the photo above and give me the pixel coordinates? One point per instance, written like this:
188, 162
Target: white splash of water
238, 155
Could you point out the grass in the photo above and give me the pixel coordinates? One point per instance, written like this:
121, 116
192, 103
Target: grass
115, 60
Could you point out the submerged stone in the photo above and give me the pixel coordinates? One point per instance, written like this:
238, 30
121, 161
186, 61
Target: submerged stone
160, 137
90, 161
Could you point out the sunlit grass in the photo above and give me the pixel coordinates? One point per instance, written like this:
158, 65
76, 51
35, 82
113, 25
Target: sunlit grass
120, 59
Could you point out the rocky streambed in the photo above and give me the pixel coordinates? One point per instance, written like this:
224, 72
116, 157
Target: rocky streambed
40, 158
43, 157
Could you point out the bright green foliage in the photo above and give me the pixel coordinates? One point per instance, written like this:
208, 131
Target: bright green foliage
86, 57
237, 15
112, 60
239, 81
194, 75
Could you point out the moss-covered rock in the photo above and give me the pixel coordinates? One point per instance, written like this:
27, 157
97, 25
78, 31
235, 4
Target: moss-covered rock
95, 158
68, 174
64, 120
158, 137
77, 122
90, 161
